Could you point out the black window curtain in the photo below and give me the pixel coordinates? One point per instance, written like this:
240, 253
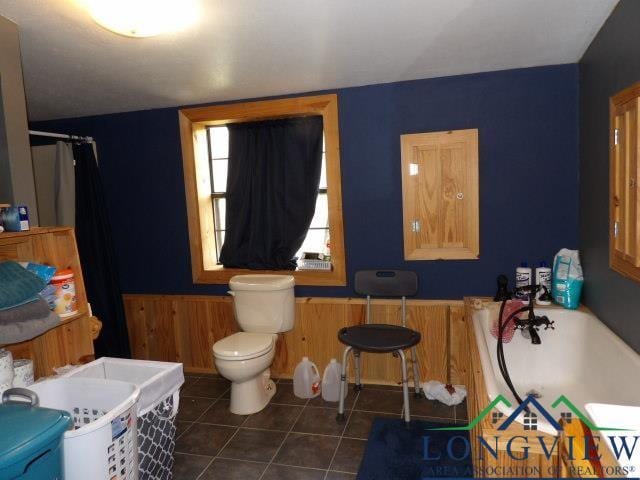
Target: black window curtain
272, 185
93, 234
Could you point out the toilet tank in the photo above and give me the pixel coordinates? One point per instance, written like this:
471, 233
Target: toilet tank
263, 303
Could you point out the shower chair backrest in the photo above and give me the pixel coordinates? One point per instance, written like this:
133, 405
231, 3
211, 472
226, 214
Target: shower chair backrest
386, 283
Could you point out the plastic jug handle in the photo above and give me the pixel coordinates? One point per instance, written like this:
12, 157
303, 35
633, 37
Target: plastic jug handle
20, 392
313, 365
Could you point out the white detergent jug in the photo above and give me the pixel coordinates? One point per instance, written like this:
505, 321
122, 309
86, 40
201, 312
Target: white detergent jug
331, 382
306, 379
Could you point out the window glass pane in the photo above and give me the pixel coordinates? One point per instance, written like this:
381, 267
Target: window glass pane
321, 217
219, 142
323, 172
219, 175
220, 207
219, 242
316, 241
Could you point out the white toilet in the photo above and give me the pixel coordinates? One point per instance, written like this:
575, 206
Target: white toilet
264, 306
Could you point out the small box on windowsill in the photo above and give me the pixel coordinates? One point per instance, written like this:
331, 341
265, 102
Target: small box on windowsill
314, 261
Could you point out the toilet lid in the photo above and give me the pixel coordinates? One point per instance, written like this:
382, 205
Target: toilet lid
243, 345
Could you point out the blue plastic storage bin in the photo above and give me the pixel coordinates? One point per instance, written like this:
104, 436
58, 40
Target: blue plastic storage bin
31, 441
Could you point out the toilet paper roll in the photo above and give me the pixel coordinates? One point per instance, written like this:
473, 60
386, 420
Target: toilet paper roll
22, 373
6, 368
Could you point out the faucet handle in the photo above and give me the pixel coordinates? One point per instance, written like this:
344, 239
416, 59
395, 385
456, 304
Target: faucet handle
549, 325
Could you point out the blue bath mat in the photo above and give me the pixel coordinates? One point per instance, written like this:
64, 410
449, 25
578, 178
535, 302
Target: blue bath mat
397, 452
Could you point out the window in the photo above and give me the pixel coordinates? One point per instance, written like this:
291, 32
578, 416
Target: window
205, 143
218, 148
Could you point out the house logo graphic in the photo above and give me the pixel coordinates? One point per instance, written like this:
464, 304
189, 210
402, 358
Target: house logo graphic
532, 411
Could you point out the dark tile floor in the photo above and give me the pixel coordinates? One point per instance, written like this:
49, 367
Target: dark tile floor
291, 439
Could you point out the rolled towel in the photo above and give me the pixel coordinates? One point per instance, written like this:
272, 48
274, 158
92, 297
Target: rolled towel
17, 285
29, 311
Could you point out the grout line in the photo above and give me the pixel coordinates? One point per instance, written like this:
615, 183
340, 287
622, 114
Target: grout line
192, 454
218, 452
241, 460
197, 419
304, 468
283, 442
215, 399
184, 431
344, 429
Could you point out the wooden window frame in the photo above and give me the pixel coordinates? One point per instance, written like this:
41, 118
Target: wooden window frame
623, 265
195, 160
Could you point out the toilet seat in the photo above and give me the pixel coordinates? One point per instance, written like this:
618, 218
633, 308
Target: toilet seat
244, 346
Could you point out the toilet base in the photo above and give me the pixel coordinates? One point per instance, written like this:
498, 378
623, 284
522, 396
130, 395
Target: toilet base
252, 395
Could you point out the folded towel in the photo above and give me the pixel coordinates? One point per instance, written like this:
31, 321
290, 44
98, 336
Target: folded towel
28, 311
28, 329
17, 285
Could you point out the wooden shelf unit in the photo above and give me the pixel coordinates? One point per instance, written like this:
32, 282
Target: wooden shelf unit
72, 339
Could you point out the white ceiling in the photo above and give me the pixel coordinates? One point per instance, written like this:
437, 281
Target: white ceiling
252, 48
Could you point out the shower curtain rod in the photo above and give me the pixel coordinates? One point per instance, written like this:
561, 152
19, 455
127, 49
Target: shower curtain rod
60, 135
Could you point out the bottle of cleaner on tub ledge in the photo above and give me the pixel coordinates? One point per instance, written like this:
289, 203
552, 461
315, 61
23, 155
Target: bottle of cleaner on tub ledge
543, 278
523, 279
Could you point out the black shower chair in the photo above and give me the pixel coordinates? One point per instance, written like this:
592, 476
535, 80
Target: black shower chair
380, 337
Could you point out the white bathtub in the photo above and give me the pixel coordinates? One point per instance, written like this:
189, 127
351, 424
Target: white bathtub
581, 359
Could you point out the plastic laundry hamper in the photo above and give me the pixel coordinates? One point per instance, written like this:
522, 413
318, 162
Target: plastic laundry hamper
159, 384
102, 444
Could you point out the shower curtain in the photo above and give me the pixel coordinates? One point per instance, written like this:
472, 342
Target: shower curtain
95, 245
64, 189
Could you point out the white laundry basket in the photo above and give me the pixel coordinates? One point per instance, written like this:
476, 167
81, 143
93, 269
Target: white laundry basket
103, 442
159, 384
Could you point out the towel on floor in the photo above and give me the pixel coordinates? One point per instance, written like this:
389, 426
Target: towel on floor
434, 390
26, 330
28, 311
17, 285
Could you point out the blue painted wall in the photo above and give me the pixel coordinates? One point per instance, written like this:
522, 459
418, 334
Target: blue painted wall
528, 123
610, 64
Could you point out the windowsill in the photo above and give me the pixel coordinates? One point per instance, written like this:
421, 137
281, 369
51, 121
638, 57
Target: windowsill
222, 275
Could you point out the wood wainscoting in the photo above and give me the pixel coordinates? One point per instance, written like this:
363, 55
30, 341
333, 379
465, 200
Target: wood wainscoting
183, 328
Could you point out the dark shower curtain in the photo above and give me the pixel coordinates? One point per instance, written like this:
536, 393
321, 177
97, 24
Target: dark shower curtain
97, 256
272, 186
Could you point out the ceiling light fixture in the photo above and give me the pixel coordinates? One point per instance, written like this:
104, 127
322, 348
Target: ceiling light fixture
143, 18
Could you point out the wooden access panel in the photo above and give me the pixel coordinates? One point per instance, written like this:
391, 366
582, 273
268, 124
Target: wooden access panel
624, 247
440, 195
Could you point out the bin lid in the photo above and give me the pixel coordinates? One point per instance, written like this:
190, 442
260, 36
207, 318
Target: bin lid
27, 430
